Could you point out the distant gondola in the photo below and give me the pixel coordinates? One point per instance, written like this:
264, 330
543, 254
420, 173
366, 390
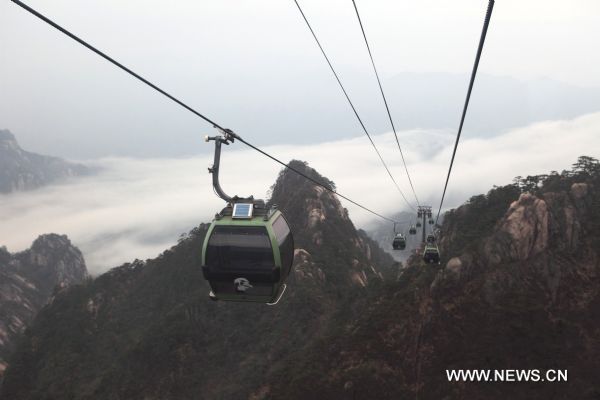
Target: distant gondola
399, 242
431, 254
412, 230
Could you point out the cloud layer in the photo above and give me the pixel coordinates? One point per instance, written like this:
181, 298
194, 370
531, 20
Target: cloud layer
136, 208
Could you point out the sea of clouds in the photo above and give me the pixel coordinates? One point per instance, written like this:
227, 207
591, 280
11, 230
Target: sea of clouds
136, 208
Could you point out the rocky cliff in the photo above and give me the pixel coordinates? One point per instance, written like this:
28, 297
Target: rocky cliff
147, 330
519, 289
22, 170
28, 280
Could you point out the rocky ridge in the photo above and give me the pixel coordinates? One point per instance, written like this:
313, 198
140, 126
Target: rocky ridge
519, 289
28, 280
22, 170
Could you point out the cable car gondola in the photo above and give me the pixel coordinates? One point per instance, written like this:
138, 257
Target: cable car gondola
412, 230
430, 238
399, 242
431, 254
419, 224
249, 249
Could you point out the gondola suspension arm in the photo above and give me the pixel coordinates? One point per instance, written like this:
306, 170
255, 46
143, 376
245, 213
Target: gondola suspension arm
227, 136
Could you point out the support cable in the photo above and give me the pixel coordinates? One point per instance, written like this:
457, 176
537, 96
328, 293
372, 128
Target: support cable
351, 104
486, 23
385, 102
214, 124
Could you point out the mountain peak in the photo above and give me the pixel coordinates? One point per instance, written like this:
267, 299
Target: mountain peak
5, 134
50, 240
28, 279
8, 140
292, 191
320, 224
288, 177
22, 170
56, 258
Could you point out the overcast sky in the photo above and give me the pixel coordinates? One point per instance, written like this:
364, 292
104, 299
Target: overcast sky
253, 66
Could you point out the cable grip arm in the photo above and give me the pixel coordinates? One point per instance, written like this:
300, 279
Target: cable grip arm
226, 136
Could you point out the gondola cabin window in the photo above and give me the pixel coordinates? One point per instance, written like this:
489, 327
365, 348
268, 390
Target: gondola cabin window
240, 248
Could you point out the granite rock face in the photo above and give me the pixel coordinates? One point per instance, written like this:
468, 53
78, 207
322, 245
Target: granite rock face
28, 280
519, 289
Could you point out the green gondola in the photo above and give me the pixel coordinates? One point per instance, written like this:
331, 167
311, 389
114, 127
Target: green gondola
399, 242
248, 250
248, 259
431, 254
